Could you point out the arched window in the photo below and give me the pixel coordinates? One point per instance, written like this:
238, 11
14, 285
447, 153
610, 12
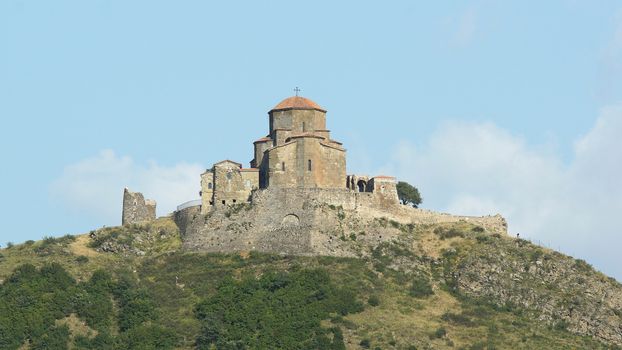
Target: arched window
362, 186
209, 186
283, 166
304, 126
309, 166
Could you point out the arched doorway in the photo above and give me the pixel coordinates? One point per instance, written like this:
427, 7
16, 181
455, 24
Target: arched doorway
362, 186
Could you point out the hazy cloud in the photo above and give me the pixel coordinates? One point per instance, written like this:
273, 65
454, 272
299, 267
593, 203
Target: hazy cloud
478, 169
94, 186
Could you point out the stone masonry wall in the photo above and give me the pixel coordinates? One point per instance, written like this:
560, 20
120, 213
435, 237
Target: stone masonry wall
136, 209
207, 191
232, 185
308, 222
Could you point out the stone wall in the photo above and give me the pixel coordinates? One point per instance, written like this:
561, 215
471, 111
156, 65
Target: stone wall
260, 146
136, 209
233, 185
183, 218
298, 152
207, 191
308, 162
295, 121
310, 222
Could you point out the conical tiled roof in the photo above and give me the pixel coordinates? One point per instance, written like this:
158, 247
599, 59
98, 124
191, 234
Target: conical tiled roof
297, 102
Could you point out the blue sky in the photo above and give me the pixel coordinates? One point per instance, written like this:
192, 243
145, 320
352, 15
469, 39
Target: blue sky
487, 106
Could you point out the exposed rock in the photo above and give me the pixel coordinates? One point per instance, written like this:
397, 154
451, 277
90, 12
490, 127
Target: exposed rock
559, 290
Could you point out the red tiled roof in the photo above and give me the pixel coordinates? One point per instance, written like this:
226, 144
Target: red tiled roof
297, 102
263, 139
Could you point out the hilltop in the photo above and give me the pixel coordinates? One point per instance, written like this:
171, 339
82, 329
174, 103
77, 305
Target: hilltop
453, 285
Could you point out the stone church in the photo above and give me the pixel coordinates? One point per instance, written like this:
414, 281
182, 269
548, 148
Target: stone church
298, 152
302, 200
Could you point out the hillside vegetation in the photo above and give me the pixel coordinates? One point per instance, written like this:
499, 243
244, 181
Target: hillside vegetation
435, 287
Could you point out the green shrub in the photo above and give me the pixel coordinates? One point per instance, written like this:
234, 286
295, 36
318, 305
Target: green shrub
94, 301
561, 325
136, 307
439, 333
447, 233
477, 229
383, 222
581, 265
341, 214
535, 255
30, 301
236, 208
248, 313
421, 287
478, 346
365, 343
484, 239
149, 337
102, 341
54, 339
458, 319
82, 259
9, 245
373, 300
122, 235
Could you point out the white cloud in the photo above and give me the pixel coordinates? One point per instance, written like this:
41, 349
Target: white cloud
94, 186
478, 169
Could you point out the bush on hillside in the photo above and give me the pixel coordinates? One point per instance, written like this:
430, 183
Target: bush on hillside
247, 314
421, 287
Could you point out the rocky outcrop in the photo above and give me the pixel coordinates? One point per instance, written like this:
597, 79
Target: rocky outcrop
559, 290
137, 239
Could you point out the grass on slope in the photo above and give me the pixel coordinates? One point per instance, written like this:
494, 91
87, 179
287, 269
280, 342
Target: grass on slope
404, 300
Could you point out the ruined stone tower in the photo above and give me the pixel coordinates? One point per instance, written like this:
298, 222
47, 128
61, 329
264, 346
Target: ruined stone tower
136, 208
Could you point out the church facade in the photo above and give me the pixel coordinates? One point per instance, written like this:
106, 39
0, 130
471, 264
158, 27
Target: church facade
297, 153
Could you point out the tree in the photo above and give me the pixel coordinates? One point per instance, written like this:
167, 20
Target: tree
408, 194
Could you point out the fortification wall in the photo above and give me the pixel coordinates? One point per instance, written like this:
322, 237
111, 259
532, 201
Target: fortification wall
308, 222
183, 218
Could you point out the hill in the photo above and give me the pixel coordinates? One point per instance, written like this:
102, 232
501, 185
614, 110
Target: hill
434, 286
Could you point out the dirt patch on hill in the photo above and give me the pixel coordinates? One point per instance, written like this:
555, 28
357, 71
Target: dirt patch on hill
80, 247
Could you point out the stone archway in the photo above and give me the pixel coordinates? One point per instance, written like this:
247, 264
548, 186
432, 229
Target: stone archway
290, 220
361, 186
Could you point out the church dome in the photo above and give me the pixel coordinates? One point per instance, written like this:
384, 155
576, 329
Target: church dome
297, 102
